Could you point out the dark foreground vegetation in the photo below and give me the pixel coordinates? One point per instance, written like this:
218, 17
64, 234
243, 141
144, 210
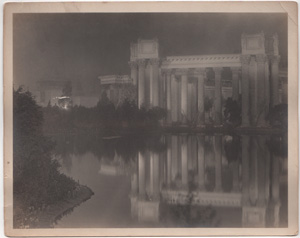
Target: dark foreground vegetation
37, 182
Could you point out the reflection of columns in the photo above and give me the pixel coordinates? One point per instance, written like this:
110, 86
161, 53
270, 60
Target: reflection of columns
133, 66
155, 175
168, 83
245, 89
253, 190
174, 153
134, 184
154, 80
235, 83
141, 84
201, 95
274, 81
235, 176
275, 178
275, 189
174, 99
218, 162
267, 87
261, 103
201, 162
261, 171
142, 175
184, 96
253, 90
218, 96
184, 161
169, 161
245, 169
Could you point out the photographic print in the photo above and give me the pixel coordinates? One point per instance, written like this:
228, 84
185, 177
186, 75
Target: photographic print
150, 119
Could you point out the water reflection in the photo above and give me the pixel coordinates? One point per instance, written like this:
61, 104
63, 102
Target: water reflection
182, 180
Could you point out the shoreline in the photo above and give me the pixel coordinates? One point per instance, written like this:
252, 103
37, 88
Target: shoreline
180, 129
48, 217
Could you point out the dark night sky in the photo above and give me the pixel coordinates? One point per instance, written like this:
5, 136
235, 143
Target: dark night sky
83, 46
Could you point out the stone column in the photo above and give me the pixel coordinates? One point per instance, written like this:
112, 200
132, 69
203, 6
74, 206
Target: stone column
179, 96
253, 91
261, 101
201, 162
141, 83
168, 91
184, 162
155, 84
235, 83
267, 87
201, 95
274, 81
245, 90
218, 162
184, 95
189, 100
218, 96
142, 175
134, 72
174, 99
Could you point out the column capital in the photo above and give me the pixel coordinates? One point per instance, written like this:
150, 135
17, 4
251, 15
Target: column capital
182, 71
133, 64
200, 71
235, 70
141, 62
261, 58
167, 71
245, 59
218, 70
154, 62
275, 59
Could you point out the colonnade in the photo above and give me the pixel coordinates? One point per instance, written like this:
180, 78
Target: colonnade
178, 94
173, 89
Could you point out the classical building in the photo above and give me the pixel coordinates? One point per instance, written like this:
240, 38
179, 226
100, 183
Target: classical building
48, 91
117, 88
180, 83
51, 92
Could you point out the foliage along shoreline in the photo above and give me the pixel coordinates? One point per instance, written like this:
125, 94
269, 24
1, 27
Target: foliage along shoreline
37, 182
48, 217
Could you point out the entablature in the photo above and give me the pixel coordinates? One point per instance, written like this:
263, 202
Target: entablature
201, 61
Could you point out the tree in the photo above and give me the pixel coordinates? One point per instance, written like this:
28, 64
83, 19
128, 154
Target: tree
232, 112
36, 179
278, 116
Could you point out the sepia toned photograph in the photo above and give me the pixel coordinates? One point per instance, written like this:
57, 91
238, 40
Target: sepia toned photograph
150, 120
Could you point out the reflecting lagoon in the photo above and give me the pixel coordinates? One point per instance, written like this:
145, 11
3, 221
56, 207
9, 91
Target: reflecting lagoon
177, 180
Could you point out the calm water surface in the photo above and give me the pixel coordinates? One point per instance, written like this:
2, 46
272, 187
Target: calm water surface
177, 180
